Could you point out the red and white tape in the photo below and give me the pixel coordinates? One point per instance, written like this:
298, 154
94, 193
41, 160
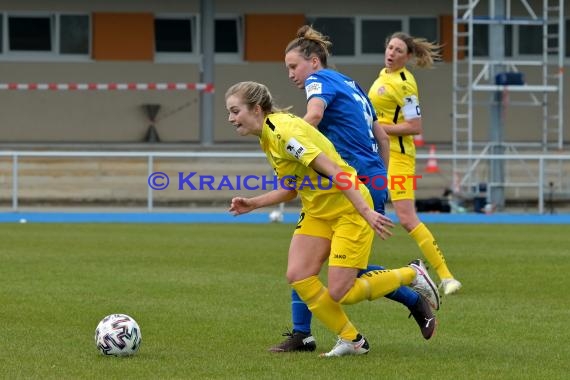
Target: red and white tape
206, 87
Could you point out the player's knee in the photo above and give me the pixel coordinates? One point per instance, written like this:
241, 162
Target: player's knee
408, 222
294, 275
291, 277
337, 293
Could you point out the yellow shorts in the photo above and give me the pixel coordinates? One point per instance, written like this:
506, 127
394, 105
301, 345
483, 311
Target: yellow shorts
350, 235
401, 171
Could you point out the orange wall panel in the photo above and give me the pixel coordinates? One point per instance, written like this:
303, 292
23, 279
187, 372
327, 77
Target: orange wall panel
446, 37
123, 36
267, 35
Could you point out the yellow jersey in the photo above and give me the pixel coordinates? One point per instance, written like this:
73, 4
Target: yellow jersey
395, 98
291, 144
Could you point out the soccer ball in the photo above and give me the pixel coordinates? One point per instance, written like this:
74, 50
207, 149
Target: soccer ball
118, 335
276, 216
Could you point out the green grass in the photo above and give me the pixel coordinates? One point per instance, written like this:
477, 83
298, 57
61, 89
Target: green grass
211, 298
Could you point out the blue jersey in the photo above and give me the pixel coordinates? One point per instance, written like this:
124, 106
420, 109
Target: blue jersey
347, 123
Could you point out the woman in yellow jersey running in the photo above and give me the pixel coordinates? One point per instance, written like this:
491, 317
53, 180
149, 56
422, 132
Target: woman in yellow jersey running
337, 222
394, 95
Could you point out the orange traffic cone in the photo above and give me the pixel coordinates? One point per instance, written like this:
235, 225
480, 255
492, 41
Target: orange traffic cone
431, 166
419, 140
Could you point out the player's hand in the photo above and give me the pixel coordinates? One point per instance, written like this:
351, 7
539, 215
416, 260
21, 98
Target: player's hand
381, 224
240, 206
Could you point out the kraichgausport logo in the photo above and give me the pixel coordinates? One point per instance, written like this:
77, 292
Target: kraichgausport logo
194, 181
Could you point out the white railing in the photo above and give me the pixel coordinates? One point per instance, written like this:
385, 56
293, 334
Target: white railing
538, 169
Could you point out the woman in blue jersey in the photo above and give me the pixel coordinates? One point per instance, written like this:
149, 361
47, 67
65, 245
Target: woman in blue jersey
341, 110
337, 222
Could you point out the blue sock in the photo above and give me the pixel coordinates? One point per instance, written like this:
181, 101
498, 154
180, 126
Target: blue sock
403, 294
300, 314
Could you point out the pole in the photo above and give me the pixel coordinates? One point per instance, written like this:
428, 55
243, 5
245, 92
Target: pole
496, 192
207, 72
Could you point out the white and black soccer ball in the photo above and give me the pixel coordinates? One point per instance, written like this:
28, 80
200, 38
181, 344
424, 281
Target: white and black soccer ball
276, 216
118, 335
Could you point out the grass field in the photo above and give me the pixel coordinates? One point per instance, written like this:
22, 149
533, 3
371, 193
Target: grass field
210, 299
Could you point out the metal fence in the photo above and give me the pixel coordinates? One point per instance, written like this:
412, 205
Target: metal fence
124, 176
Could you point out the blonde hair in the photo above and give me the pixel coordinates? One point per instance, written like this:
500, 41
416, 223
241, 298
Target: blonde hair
309, 41
425, 53
252, 94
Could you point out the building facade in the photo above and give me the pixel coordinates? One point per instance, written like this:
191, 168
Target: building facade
151, 41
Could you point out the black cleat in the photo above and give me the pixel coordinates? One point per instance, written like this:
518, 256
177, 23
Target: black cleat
295, 341
424, 316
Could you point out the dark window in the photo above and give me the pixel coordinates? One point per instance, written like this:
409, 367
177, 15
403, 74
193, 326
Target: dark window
29, 33
530, 39
480, 40
173, 35
553, 41
74, 34
375, 32
226, 36
425, 27
508, 40
341, 32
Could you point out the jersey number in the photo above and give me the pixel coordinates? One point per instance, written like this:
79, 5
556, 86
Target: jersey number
301, 217
368, 118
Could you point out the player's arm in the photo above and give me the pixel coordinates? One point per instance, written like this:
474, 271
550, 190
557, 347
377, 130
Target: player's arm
241, 205
378, 222
383, 141
412, 124
407, 127
315, 111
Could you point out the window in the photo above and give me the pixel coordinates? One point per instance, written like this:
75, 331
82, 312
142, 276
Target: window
375, 32
341, 31
481, 40
173, 35
226, 36
425, 27
508, 40
42, 36
553, 42
530, 39
519, 40
30, 33
362, 39
177, 38
74, 34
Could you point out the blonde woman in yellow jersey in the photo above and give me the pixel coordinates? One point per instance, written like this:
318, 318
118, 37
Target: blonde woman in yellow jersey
394, 95
337, 222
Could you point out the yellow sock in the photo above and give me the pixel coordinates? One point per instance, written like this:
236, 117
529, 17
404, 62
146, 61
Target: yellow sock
330, 313
425, 240
377, 283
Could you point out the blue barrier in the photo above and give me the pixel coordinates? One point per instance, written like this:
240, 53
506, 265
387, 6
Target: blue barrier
258, 217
